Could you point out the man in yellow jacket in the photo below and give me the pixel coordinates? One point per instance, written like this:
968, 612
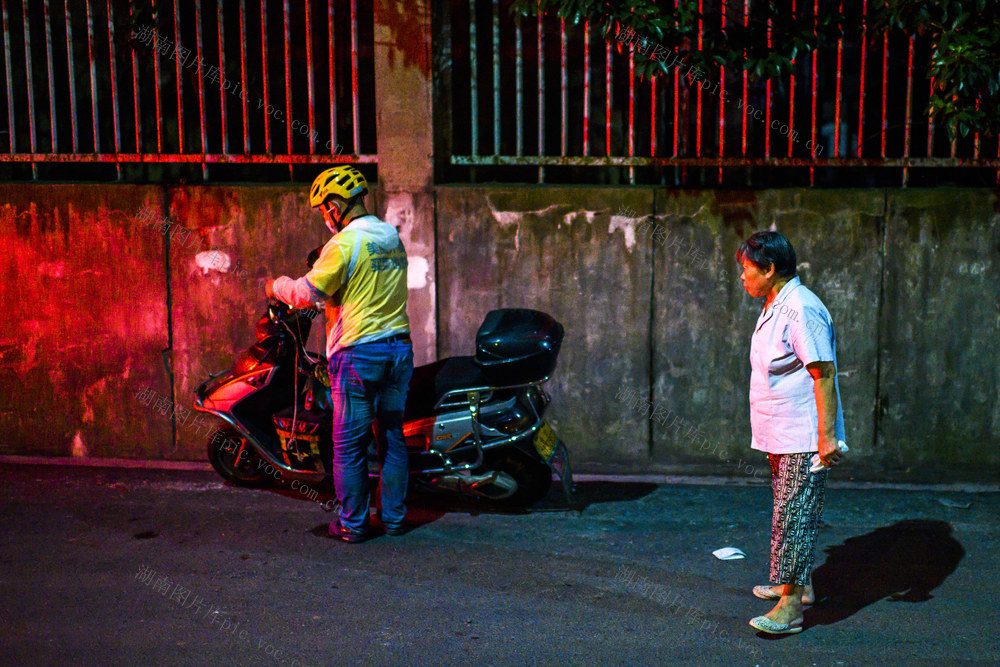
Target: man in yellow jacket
361, 277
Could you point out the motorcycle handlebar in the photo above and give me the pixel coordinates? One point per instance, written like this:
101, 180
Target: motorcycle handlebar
277, 308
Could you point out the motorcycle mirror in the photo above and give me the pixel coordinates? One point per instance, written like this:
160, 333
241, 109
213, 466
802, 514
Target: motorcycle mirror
313, 256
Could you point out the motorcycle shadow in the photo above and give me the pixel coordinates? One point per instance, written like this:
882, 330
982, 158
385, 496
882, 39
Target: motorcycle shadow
426, 507
585, 494
558, 499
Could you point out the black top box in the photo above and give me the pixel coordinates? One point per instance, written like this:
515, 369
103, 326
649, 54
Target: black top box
517, 345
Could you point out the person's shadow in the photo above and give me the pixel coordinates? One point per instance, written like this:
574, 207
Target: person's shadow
903, 563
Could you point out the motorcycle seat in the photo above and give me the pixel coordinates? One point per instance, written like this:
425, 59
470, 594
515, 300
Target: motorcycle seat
432, 381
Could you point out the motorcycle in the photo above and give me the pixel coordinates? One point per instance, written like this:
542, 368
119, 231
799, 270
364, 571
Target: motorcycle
472, 424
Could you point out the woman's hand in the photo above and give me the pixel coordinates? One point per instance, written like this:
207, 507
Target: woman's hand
824, 374
829, 454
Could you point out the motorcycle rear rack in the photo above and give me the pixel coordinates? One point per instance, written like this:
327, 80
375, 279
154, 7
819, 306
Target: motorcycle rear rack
451, 399
474, 398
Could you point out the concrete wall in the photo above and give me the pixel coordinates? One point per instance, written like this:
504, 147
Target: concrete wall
938, 397
703, 318
561, 251
104, 314
84, 291
111, 322
659, 313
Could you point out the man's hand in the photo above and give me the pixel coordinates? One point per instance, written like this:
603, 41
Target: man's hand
269, 288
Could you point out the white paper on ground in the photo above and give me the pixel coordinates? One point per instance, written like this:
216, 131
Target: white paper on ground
728, 553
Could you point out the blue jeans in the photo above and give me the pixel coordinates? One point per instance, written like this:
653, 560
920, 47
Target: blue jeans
370, 381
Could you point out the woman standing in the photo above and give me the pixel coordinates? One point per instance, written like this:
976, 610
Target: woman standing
794, 413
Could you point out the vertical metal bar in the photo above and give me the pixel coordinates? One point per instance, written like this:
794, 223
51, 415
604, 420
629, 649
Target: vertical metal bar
72, 79
954, 139
474, 78
675, 130
137, 106
114, 86
685, 127
815, 90
309, 80
564, 107
156, 88
243, 76
608, 64
631, 112
31, 90
201, 88
836, 112
586, 87
697, 105
224, 77
9, 77
519, 86
264, 76
496, 79
861, 90
53, 137
722, 92
93, 83
909, 103
179, 91
677, 113
652, 116
930, 126
286, 24
767, 92
791, 96
885, 81
541, 92
745, 92
354, 76
332, 78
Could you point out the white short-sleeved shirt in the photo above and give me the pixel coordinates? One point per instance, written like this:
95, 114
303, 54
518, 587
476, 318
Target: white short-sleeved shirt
796, 330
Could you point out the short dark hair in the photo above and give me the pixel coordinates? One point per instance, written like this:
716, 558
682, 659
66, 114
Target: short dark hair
766, 248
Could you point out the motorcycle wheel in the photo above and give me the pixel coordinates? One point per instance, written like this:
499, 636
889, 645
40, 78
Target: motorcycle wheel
237, 464
533, 476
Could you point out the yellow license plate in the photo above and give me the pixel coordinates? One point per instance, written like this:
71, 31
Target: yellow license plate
546, 441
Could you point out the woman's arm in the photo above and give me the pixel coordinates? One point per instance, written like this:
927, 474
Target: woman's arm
824, 374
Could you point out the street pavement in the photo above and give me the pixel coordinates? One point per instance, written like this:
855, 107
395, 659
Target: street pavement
123, 566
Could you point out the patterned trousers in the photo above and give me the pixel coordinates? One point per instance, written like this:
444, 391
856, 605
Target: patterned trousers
798, 507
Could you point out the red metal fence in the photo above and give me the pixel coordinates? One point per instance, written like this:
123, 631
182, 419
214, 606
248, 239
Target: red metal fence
185, 82
165, 89
553, 97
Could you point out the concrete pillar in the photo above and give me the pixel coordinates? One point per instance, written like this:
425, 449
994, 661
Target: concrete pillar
405, 169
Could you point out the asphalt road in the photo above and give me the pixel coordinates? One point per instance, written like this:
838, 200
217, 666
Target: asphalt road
109, 566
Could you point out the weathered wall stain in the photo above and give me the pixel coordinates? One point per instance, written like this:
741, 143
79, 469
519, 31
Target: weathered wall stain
85, 286
395, 23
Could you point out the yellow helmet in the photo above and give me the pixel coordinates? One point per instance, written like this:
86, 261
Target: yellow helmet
344, 181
